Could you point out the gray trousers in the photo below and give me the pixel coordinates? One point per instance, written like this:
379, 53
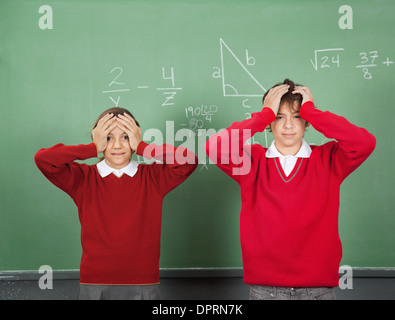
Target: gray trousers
286, 293
119, 292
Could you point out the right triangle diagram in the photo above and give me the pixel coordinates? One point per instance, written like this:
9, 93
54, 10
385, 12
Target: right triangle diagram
237, 80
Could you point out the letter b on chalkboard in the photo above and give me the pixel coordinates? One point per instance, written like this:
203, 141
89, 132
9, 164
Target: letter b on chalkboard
46, 20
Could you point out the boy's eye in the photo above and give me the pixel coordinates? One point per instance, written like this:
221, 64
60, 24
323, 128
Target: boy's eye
279, 117
108, 138
125, 137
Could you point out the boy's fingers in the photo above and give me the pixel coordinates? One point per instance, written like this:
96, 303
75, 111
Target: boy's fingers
127, 118
300, 88
282, 87
107, 118
109, 124
111, 127
123, 123
129, 122
124, 128
280, 90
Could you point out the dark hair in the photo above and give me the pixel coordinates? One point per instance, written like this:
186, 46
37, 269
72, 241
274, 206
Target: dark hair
289, 96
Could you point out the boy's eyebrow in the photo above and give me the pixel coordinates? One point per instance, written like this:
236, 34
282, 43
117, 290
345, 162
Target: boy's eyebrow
292, 112
113, 134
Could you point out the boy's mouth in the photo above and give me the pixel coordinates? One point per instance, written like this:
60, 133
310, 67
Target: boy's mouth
117, 154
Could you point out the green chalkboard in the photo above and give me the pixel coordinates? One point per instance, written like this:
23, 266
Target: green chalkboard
186, 69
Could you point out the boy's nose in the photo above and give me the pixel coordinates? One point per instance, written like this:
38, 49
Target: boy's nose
117, 144
288, 123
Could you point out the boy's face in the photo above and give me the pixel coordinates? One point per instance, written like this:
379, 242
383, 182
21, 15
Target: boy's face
118, 150
288, 129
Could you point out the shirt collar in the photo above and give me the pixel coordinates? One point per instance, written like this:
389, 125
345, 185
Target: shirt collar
105, 170
304, 151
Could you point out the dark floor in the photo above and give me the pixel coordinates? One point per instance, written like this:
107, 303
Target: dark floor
232, 288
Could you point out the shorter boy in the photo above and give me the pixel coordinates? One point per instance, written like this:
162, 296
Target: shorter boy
119, 204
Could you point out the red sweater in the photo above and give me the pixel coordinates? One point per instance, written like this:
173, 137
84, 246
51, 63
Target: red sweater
120, 217
289, 225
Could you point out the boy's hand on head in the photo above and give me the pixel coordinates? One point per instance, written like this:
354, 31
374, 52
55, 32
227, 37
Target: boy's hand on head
128, 124
101, 131
273, 98
305, 93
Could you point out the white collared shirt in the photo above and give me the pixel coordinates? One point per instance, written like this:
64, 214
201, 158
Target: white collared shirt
288, 162
105, 170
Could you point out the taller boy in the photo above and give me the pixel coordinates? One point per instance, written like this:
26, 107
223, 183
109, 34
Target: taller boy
290, 195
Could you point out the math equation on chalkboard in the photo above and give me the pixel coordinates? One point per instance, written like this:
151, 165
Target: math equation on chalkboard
116, 85
368, 61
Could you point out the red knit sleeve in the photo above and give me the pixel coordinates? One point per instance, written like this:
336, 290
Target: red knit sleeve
175, 164
228, 149
58, 166
354, 144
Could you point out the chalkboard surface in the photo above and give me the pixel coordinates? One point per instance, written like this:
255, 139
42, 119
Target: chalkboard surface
187, 69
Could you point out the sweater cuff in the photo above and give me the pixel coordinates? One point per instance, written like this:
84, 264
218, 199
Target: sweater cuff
309, 105
268, 114
141, 147
91, 151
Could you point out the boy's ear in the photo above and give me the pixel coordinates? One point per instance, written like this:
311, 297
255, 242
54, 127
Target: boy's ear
307, 124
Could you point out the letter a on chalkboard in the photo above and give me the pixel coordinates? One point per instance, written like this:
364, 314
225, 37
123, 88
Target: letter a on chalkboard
345, 21
46, 20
